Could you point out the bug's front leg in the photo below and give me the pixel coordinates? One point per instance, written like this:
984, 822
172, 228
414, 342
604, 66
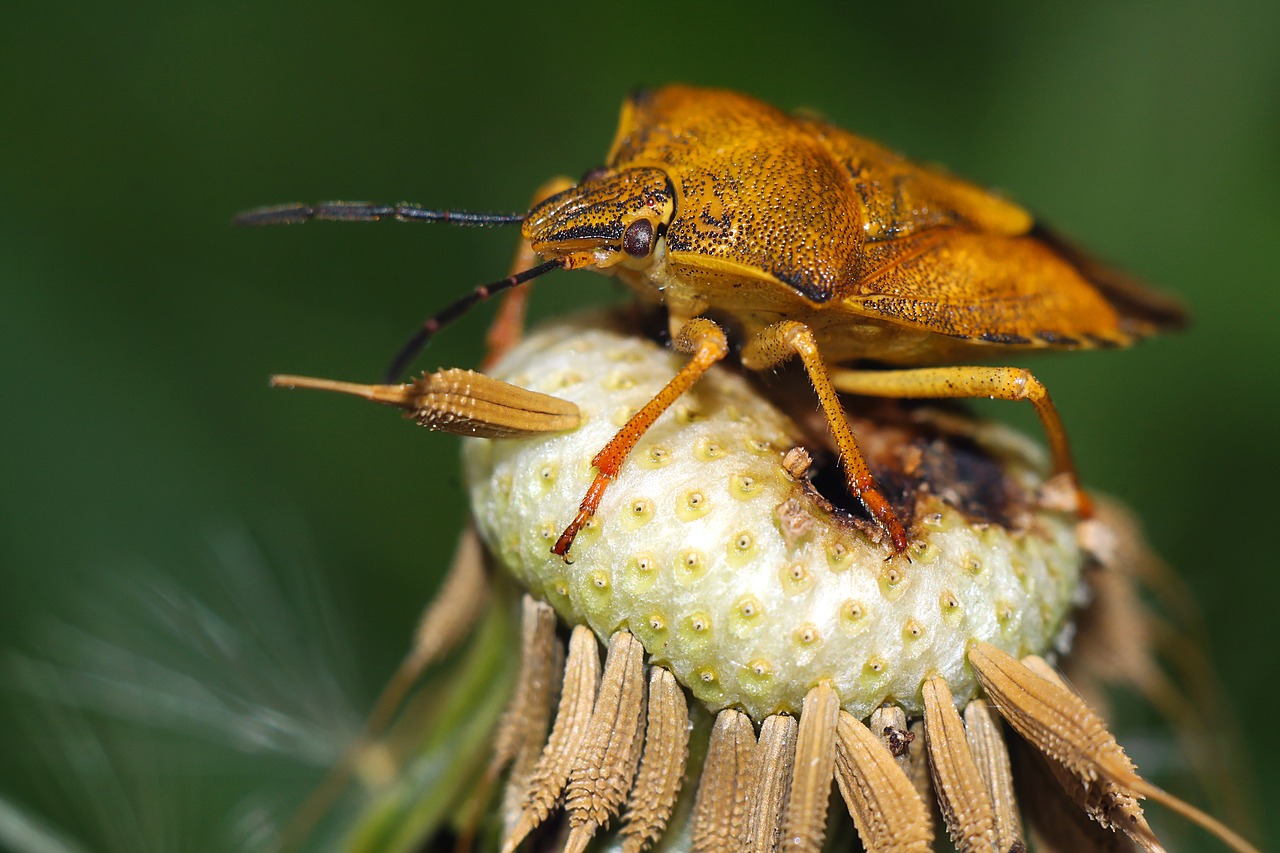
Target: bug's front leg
776, 344
1000, 383
707, 342
508, 324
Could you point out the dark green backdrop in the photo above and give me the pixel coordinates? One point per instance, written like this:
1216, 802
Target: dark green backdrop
137, 328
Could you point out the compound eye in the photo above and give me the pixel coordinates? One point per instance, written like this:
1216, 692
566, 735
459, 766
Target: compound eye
637, 240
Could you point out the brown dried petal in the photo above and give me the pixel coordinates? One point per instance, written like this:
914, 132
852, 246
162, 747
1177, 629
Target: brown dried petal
1054, 822
986, 744
662, 767
577, 698
1051, 717
805, 827
720, 810
1059, 724
605, 765
523, 729
889, 814
962, 794
771, 777
468, 403
1111, 805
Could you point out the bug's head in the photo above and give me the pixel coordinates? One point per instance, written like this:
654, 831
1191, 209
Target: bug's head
611, 217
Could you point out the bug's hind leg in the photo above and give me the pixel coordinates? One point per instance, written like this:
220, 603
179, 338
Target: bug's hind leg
707, 342
1001, 383
779, 342
508, 324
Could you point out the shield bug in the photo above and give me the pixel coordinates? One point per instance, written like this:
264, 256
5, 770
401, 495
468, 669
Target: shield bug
811, 242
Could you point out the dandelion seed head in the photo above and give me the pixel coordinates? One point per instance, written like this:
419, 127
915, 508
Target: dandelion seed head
711, 509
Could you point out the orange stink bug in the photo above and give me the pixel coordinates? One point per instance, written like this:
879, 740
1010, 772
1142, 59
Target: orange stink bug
810, 242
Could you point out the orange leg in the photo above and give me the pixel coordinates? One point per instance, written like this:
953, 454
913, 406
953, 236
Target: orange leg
998, 383
707, 342
508, 325
779, 342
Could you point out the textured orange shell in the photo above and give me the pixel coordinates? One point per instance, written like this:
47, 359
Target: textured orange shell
778, 216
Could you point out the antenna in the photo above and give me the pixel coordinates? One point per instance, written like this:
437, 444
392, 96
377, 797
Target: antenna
364, 211
455, 310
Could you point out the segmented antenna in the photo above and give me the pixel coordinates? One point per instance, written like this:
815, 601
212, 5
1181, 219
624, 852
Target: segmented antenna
455, 310
363, 211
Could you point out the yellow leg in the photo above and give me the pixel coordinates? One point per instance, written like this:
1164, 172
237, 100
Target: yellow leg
779, 342
998, 383
508, 325
707, 342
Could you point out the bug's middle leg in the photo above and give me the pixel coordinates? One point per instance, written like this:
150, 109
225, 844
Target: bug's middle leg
1001, 383
779, 342
707, 342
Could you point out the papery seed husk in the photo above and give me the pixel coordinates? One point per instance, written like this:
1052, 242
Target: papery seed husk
472, 404
720, 809
889, 814
1111, 805
662, 766
1051, 717
522, 731
1055, 823
606, 763
577, 699
962, 794
1062, 726
986, 744
771, 788
805, 826
445, 622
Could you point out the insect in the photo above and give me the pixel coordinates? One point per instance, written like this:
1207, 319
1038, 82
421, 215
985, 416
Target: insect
806, 241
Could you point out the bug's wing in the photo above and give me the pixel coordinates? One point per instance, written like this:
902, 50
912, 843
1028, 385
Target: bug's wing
1138, 305
901, 198
949, 256
993, 288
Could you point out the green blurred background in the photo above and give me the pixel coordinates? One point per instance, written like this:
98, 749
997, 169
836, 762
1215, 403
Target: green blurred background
137, 327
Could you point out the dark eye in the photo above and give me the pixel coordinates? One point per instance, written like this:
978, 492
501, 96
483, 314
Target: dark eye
594, 173
637, 240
